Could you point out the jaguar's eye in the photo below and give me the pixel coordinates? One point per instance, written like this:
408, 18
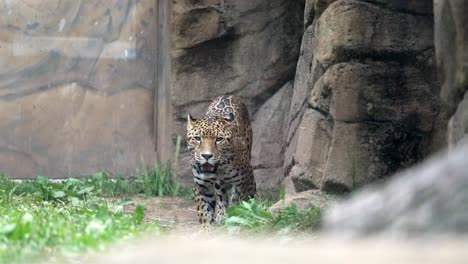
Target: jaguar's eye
197, 139
219, 139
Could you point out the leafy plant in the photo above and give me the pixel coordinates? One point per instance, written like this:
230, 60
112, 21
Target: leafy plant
255, 216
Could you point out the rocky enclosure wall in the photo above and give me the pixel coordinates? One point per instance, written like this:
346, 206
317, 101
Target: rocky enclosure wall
76, 86
365, 100
340, 92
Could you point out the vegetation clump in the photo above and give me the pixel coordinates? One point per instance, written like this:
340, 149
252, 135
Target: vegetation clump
65, 218
254, 216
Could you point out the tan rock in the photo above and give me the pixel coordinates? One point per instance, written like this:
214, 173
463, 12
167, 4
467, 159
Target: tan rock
347, 28
314, 139
357, 92
196, 24
367, 67
269, 124
304, 200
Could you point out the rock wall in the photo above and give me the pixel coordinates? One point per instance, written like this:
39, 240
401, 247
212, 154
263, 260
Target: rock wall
451, 41
76, 86
365, 100
247, 48
431, 198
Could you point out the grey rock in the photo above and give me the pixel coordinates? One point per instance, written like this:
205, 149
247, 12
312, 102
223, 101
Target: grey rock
431, 198
451, 38
458, 124
305, 200
269, 126
451, 42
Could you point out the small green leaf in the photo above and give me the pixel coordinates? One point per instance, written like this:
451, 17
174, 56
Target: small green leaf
58, 194
86, 190
7, 229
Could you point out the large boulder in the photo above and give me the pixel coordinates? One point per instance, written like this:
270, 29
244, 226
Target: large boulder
431, 198
451, 41
365, 99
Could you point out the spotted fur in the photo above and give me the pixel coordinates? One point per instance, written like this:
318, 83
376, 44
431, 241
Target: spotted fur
220, 144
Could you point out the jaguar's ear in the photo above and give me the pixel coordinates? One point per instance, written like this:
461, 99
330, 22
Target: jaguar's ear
190, 121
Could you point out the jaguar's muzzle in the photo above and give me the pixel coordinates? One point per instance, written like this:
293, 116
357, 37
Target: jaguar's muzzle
207, 167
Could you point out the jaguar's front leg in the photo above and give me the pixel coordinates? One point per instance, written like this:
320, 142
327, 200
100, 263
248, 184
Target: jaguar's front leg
205, 201
221, 201
235, 195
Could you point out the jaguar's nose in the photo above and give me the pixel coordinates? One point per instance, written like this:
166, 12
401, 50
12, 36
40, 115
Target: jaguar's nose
207, 156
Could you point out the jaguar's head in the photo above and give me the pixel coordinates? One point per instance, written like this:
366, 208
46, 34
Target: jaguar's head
209, 141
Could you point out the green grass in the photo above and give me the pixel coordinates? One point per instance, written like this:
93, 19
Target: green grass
63, 219
253, 216
157, 181
43, 219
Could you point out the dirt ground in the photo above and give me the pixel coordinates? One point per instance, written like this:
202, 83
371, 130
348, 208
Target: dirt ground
174, 213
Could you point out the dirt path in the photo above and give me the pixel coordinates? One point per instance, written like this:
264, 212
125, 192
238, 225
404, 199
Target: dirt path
171, 212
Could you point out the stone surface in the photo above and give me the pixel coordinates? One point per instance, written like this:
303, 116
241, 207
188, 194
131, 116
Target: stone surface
312, 150
304, 200
451, 37
451, 41
309, 12
307, 73
458, 124
357, 92
365, 101
431, 198
348, 30
269, 126
76, 87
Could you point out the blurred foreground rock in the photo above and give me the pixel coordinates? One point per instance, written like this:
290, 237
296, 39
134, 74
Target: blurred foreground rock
431, 198
179, 249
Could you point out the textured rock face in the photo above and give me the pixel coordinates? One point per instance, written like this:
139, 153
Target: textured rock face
247, 48
458, 124
269, 124
365, 93
451, 40
76, 86
429, 199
